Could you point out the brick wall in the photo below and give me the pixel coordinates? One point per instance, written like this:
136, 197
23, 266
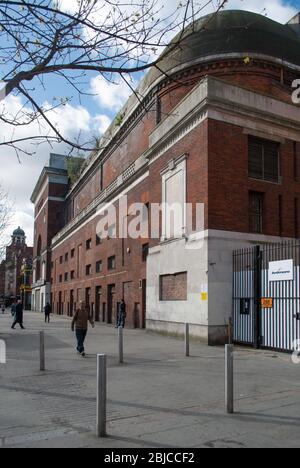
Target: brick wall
229, 184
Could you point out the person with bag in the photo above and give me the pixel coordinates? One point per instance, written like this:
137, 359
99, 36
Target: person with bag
80, 325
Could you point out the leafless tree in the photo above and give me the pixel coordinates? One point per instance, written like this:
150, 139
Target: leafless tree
72, 40
6, 211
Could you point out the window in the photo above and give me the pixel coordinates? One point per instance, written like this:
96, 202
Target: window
173, 287
158, 110
99, 267
66, 257
72, 274
112, 231
72, 253
145, 252
264, 160
66, 277
111, 263
89, 244
256, 202
61, 259
98, 240
88, 270
60, 278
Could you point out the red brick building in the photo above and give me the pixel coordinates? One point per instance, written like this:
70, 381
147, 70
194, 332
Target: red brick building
216, 127
10, 270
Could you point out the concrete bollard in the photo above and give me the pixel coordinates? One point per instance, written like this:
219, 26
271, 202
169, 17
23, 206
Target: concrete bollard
101, 395
121, 345
229, 380
187, 340
42, 351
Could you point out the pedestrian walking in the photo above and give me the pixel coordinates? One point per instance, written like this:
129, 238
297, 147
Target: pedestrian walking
18, 316
121, 315
3, 308
80, 324
48, 311
13, 309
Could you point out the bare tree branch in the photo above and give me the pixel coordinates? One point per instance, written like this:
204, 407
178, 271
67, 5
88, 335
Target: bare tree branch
78, 40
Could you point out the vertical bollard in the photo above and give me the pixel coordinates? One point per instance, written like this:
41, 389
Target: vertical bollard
42, 351
187, 340
229, 386
121, 346
101, 395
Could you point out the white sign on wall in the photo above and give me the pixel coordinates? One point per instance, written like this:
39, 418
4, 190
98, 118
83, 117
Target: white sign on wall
281, 271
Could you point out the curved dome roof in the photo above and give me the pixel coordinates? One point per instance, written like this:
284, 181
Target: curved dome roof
232, 32
19, 232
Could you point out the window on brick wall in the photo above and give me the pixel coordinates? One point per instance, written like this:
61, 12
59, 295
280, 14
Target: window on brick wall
145, 252
89, 244
72, 253
111, 263
264, 160
98, 240
61, 259
72, 274
60, 278
99, 267
158, 110
66, 277
256, 212
66, 257
88, 270
173, 287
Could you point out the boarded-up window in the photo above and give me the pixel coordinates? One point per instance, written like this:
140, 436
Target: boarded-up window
173, 287
264, 160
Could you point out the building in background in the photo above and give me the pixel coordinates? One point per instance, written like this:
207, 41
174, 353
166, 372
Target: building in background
215, 125
49, 200
26, 283
10, 271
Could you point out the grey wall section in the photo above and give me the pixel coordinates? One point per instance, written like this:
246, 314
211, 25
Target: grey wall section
176, 257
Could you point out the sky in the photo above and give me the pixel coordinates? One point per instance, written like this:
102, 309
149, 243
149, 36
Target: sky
93, 114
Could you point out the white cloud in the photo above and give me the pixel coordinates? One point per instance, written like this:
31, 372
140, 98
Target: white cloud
109, 95
19, 177
102, 122
277, 10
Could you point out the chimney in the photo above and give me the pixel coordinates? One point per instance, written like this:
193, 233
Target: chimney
294, 23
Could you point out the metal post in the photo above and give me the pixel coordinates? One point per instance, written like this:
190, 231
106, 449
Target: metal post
187, 340
257, 293
42, 351
121, 346
230, 331
101, 395
229, 385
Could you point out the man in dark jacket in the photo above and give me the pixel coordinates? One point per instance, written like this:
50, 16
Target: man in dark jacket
13, 309
80, 324
121, 315
18, 316
48, 311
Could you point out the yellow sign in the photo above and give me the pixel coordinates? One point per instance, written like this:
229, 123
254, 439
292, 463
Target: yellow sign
267, 303
204, 297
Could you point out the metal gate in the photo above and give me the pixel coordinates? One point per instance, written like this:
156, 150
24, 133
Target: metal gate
266, 296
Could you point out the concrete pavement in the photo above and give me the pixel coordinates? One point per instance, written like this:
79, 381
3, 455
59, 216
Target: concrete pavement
157, 399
